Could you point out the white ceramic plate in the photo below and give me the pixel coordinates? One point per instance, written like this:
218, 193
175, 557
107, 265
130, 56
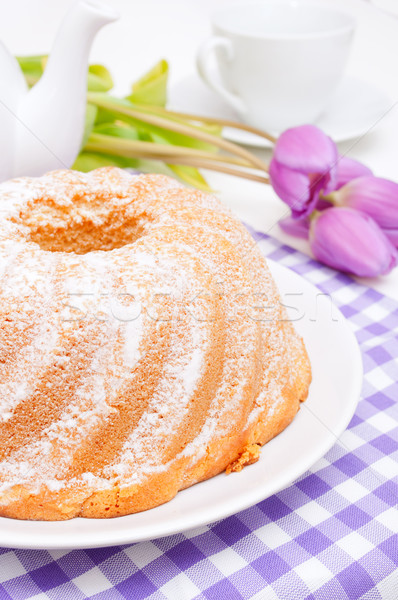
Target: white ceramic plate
337, 378
355, 108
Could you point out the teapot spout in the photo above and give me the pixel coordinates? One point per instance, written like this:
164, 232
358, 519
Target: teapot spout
52, 113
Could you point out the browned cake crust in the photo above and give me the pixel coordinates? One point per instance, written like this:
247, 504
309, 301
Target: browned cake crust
143, 345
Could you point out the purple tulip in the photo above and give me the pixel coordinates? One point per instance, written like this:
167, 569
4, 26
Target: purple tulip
348, 169
303, 165
392, 235
374, 196
297, 227
349, 240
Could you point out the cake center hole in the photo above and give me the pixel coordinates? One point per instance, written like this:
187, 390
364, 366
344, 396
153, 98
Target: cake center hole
86, 225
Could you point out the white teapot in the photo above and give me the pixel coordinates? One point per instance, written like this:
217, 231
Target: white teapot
42, 128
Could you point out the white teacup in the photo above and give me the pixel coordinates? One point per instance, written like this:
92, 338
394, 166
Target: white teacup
280, 61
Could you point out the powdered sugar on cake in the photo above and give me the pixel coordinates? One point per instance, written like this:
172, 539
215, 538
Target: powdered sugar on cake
139, 325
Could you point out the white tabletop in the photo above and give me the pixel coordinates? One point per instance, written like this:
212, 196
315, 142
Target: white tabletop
151, 29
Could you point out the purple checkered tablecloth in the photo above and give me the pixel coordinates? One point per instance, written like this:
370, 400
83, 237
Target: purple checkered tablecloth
330, 536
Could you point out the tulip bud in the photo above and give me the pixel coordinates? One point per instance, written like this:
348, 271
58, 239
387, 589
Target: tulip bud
374, 196
392, 235
348, 169
303, 165
351, 241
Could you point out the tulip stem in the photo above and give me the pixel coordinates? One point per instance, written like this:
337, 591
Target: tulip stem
211, 120
178, 155
212, 166
189, 130
107, 144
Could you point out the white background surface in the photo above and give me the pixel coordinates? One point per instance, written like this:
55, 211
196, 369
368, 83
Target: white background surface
151, 29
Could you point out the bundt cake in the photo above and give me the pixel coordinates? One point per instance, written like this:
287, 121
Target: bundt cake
143, 345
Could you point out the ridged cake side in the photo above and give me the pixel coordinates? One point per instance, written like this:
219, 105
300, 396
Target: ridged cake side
143, 345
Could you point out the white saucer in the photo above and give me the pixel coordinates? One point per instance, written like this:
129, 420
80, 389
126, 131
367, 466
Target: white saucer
334, 393
354, 109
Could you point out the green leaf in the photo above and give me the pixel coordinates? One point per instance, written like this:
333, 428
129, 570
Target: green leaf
87, 161
162, 136
109, 112
91, 114
32, 67
151, 88
105, 116
178, 139
99, 79
212, 128
191, 176
117, 130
